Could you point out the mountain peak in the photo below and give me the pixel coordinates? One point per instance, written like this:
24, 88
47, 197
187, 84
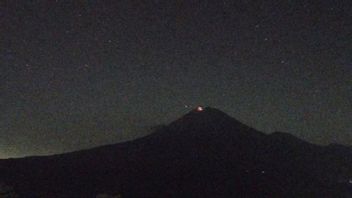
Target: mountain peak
207, 110
201, 112
205, 118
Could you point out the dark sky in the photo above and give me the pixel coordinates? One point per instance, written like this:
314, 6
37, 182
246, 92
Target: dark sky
76, 74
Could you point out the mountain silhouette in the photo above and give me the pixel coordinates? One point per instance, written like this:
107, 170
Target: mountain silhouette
205, 153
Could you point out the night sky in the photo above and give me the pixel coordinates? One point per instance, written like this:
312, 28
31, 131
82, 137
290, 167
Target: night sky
77, 74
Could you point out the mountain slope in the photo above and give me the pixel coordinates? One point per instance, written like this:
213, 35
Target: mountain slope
203, 154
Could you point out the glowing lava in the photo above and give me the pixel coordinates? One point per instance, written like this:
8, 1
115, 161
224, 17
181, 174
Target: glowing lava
200, 108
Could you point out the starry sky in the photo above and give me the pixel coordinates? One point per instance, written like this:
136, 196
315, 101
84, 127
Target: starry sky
83, 73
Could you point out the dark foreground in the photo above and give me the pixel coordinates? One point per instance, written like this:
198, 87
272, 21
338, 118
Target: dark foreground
203, 154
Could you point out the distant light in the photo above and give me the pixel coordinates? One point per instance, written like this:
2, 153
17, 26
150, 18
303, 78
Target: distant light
263, 172
199, 108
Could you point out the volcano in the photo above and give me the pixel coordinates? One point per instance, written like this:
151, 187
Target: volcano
204, 153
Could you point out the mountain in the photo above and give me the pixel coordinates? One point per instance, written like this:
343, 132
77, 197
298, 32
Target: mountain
205, 153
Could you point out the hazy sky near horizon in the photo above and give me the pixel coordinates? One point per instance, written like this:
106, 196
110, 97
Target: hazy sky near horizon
77, 74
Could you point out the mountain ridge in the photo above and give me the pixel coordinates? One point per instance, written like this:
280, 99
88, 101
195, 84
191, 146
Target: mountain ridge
205, 153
